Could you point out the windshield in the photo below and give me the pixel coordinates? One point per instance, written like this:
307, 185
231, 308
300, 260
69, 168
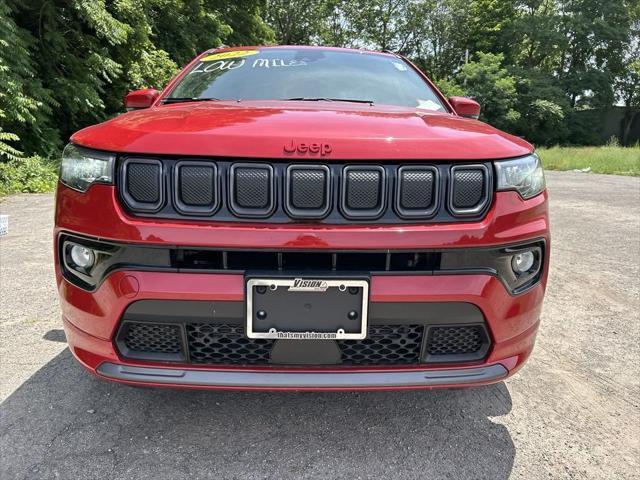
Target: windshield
305, 74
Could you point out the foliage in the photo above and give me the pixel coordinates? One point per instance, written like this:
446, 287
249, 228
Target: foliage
450, 88
27, 175
610, 159
23, 100
490, 83
68, 63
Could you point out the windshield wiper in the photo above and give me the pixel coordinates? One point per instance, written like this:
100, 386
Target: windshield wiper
325, 99
187, 99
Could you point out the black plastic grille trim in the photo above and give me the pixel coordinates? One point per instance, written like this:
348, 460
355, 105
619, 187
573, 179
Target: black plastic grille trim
143, 184
151, 341
196, 188
494, 261
364, 191
470, 189
384, 345
227, 344
456, 343
153, 337
417, 192
308, 191
252, 190
270, 201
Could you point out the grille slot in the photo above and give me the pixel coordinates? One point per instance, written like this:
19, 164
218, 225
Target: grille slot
143, 185
449, 343
196, 189
363, 191
252, 189
308, 189
384, 345
417, 192
226, 344
469, 193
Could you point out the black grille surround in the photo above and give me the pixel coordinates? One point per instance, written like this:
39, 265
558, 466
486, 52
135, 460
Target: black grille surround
275, 191
197, 188
226, 344
468, 194
143, 184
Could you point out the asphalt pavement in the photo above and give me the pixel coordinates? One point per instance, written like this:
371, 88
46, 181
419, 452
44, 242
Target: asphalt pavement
572, 412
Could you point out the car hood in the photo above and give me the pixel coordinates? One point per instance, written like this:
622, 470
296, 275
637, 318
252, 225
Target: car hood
273, 129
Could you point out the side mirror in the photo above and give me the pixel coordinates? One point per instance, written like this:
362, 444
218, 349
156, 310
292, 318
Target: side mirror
465, 107
140, 99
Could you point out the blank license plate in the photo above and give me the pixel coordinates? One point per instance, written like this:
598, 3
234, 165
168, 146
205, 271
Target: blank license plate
307, 308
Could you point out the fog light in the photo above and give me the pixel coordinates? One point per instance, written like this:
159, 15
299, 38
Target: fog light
82, 257
522, 262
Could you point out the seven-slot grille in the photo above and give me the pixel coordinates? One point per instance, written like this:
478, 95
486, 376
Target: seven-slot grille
223, 343
279, 193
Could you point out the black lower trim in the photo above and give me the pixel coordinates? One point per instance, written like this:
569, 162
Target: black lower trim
205, 332
495, 261
265, 379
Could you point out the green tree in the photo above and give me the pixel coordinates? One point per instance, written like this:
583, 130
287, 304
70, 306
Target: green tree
436, 44
296, 22
592, 54
24, 102
487, 81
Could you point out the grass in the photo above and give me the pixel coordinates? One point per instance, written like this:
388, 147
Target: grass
609, 159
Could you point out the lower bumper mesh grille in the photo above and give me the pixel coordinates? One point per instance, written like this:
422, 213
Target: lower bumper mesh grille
454, 340
226, 344
153, 338
222, 343
384, 345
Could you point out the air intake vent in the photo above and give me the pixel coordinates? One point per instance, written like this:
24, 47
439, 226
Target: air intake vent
384, 345
196, 189
252, 189
151, 341
363, 191
469, 192
308, 190
417, 192
223, 343
456, 343
143, 184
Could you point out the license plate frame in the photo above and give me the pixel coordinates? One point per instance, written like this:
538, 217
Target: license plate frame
314, 291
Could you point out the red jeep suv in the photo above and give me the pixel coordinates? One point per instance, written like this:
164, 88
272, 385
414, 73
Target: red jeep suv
300, 218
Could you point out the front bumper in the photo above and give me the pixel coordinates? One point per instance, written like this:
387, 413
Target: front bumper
92, 319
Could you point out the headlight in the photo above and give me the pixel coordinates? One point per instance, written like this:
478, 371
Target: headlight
81, 167
524, 175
